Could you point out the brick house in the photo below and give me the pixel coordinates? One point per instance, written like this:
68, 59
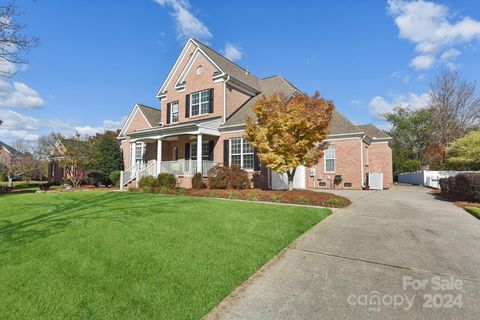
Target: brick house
205, 100
7, 153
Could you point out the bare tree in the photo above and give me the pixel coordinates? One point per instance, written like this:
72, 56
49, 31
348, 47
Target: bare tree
73, 154
13, 43
456, 107
21, 163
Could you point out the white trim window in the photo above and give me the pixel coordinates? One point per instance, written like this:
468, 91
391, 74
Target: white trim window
139, 152
329, 159
241, 154
193, 150
200, 103
174, 112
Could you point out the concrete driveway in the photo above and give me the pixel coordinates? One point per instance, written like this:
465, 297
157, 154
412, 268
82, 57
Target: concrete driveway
398, 254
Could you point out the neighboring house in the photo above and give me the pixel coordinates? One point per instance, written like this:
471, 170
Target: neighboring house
205, 101
57, 171
7, 154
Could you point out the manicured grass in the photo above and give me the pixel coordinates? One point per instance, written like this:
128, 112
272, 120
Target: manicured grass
474, 211
112, 255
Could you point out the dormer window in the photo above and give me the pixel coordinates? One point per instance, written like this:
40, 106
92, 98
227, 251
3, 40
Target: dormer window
200, 103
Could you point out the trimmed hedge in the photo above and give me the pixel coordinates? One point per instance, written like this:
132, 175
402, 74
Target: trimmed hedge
466, 185
161, 184
220, 177
95, 177
197, 181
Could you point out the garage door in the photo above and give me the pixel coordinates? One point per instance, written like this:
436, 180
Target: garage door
375, 180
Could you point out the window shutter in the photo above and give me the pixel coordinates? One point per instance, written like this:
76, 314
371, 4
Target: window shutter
187, 106
256, 161
225, 152
211, 146
187, 151
211, 101
176, 153
169, 110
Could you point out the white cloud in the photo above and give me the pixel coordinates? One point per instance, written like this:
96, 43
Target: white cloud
423, 62
355, 102
405, 78
19, 95
433, 29
379, 105
450, 54
18, 126
232, 52
187, 24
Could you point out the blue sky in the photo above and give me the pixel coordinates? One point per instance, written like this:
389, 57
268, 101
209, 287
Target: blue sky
98, 58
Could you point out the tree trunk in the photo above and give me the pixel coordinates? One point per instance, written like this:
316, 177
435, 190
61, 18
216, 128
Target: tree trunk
10, 181
290, 175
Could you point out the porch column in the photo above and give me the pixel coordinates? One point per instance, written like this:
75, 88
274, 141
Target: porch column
159, 156
199, 152
132, 154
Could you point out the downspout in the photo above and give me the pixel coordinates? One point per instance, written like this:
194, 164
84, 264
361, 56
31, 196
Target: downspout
361, 159
225, 99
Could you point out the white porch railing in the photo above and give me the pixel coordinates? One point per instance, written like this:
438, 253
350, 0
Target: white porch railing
127, 176
180, 167
184, 167
149, 170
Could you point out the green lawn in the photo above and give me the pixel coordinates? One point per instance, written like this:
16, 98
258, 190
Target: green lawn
112, 255
474, 211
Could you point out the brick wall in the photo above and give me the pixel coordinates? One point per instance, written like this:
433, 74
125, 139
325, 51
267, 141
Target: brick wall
380, 160
347, 164
5, 157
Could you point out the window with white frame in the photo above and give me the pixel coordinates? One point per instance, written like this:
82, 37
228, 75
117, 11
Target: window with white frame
138, 152
330, 159
174, 112
241, 154
193, 150
200, 103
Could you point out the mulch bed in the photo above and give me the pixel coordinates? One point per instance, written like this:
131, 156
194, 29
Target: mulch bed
303, 197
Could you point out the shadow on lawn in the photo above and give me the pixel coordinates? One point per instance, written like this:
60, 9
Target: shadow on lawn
109, 206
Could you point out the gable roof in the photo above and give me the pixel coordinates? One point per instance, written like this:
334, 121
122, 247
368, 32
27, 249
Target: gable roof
341, 125
152, 116
373, 131
9, 149
268, 86
229, 67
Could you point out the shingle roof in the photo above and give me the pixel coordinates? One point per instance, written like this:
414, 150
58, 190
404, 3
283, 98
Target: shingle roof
373, 131
10, 149
268, 86
341, 125
230, 67
153, 115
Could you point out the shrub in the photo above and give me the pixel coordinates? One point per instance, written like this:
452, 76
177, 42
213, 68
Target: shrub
411, 165
5, 189
276, 198
239, 178
197, 181
149, 184
167, 180
132, 189
180, 191
252, 195
115, 177
44, 186
303, 200
335, 202
220, 177
232, 195
68, 181
95, 177
468, 185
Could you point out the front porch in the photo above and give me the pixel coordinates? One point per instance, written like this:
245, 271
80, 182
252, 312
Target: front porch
177, 155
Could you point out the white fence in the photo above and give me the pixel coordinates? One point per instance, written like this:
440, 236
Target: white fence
426, 178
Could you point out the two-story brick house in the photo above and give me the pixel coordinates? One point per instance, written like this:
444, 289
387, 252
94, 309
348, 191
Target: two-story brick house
205, 100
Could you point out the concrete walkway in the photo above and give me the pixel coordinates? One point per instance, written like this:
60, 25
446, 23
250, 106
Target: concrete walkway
384, 257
